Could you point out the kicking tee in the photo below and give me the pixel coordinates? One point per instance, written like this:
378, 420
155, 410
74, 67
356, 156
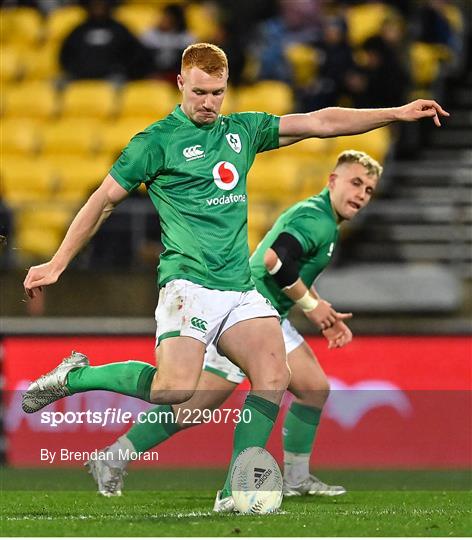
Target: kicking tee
196, 178
313, 223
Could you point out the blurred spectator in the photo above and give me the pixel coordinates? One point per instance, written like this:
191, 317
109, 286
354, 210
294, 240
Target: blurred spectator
434, 26
102, 48
238, 31
167, 41
335, 61
383, 80
298, 23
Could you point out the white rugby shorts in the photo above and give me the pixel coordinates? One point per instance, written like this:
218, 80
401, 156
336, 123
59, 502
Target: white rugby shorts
223, 367
187, 309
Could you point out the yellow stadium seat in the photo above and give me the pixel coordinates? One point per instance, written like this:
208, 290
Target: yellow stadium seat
19, 137
228, 106
148, 98
275, 179
30, 99
314, 176
70, 136
260, 216
304, 61
253, 237
365, 20
88, 99
425, 60
42, 62
25, 180
62, 21
11, 65
274, 97
310, 149
114, 136
40, 229
202, 21
375, 143
21, 26
77, 178
137, 17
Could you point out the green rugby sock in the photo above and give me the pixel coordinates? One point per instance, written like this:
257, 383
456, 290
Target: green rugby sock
253, 433
148, 433
300, 425
131, 378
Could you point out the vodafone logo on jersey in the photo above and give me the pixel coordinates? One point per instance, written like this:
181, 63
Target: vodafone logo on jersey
225, 175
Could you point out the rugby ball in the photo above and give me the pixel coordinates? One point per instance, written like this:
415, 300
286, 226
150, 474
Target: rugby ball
256, 482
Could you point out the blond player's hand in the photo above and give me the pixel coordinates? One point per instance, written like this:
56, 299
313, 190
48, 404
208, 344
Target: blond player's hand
324, 316
39, 276
421, 108
338, 335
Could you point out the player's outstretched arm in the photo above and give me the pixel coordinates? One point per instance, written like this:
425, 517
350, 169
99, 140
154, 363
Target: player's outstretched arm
85, 224
338, 121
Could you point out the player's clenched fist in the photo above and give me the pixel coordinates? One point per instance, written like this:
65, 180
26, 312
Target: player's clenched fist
421, 108
39, 276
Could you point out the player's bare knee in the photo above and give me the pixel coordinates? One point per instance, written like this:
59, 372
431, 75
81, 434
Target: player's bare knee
273, 379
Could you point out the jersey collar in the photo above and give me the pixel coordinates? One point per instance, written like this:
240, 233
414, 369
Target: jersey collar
325, 197
179, 113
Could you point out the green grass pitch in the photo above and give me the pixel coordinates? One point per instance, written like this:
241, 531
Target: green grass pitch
178, 503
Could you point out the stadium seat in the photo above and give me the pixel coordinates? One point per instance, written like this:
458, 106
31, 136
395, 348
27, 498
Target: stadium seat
11, 64
376, 143
260, 216
114, 136
274, 97
77, 178
42, 62
314, 176
21, 26
62, 21
202, 21
71, 136
19, 137
148, 99
304, 63
137, 17
40, 229
253, 238
89, 99
365, 20
25, 180
309, 149
30, 99
228, 106
275, 178
425, 59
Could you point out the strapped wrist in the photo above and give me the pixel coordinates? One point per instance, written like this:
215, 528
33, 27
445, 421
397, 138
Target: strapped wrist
307, 302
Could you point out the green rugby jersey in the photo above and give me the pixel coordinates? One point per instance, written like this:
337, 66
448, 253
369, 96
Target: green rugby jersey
196, 178
313, 223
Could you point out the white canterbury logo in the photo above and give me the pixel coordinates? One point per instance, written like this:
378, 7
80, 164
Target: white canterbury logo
193, 152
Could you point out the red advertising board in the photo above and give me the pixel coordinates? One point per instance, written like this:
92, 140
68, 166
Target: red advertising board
396, 402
